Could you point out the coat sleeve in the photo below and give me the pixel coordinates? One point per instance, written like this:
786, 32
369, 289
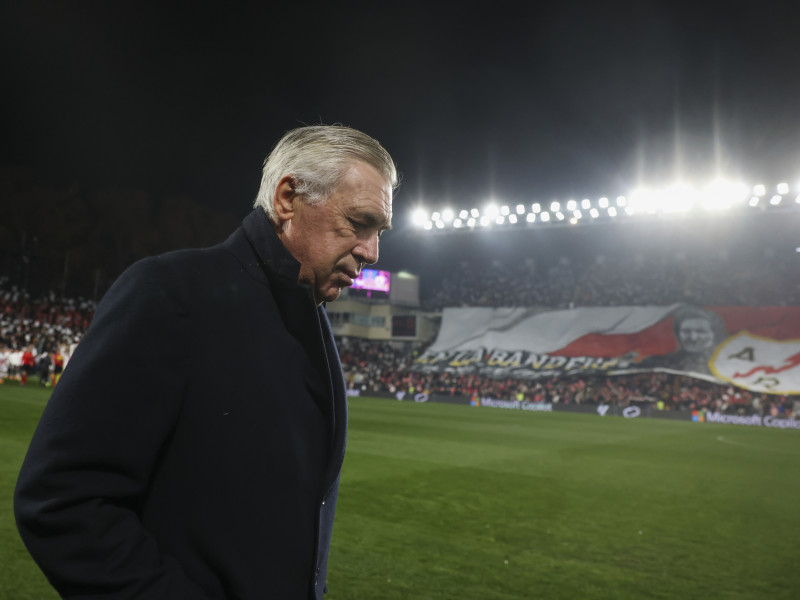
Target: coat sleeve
87, 470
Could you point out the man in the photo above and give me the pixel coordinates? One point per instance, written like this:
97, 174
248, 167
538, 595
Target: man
158, 473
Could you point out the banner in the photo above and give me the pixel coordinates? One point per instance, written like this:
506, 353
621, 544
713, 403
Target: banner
756, 348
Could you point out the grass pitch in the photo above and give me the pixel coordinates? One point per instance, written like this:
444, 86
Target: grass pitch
453, 502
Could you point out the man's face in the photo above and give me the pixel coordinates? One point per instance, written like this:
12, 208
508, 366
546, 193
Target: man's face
333, 240
696, 335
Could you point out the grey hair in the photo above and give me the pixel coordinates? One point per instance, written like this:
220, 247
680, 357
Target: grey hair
317, 157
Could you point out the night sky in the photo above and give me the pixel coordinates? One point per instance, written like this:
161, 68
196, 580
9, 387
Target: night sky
537, 103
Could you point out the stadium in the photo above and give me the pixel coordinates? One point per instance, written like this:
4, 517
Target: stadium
528, 400
572, 370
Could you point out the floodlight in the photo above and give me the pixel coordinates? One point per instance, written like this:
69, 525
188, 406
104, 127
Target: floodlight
418, 217
545, 216
721, 194
439, 224
484, 221
560, 216
504, 211
612, 211
603, 202
475, 213
555, 206
428, 225
500, 220
643, 200
491, 211
759, 190
447, 215
622, 201
520, 209
595, 213
471, 222
586, 204
512, 218
435, 216
754, 201
572, 205
629, 211
577, 214
458, 224
537, 208
775, 200
797, 200
782, 188
573, 221
463, 215
679, 197
530, 217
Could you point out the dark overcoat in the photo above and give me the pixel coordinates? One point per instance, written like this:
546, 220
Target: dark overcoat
192, 448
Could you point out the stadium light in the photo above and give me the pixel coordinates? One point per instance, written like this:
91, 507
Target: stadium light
419, 217
572, 205
754, 201
573, 221
759, 190
439, 224
612, 211
560, 216
484, 221
545, 216
512, 219
555, 206
622, 201
782, 188
679, 197
775, 200
642, 200
603, 202
721, 194
500, 220
475, 213
504, 210
537, 208
436, 216
458, 224
447, 215
463, 215
520, 209
491, 211
586, 204
428, 225
594, 213
530, 217
629, 211
577, 214
471, 222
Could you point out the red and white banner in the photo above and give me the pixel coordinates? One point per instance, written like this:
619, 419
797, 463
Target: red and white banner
757, 348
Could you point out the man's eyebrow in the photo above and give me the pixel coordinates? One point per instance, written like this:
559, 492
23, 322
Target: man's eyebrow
372, 221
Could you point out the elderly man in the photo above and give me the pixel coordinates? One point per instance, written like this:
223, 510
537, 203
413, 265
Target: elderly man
157, 471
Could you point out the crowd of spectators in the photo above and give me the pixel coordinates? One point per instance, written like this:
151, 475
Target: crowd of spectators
387, 367
47, 326
628, 280
50, 325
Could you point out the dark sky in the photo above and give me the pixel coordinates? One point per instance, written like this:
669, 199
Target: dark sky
547, 101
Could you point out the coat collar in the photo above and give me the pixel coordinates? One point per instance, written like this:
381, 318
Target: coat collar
268, 248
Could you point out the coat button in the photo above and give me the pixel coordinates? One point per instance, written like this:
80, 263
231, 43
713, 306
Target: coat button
316, 577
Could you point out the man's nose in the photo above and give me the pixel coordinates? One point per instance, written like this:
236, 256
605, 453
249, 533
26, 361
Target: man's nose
367, 250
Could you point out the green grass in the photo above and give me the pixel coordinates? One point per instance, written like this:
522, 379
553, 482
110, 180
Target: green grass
436, 498
20, 408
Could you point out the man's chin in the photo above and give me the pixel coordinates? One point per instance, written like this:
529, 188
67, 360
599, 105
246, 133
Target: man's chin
330, 294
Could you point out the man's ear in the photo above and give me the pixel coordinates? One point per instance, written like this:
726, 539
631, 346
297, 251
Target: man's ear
283, 199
